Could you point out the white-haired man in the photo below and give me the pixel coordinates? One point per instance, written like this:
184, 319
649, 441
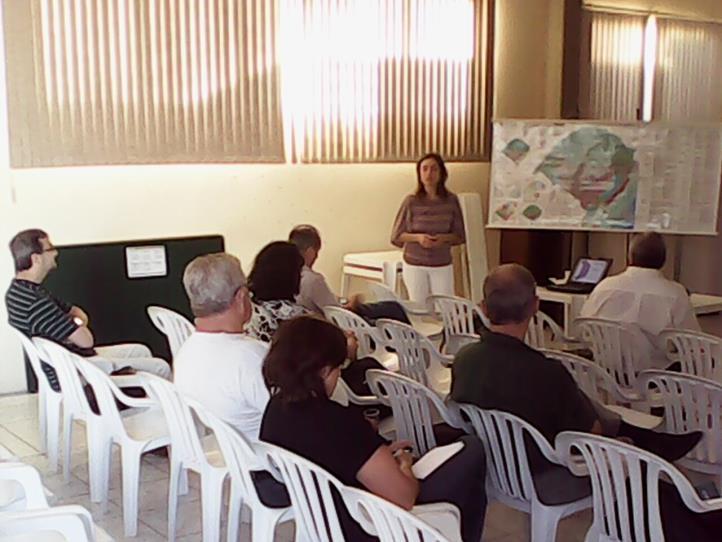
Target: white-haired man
219, 366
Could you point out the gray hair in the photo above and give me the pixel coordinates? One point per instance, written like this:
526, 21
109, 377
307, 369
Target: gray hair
212, 281
509, 294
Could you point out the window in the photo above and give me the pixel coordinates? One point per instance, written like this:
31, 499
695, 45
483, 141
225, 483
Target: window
644, 67
159, 81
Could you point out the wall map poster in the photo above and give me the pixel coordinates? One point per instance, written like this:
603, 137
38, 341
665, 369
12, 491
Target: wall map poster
593, 176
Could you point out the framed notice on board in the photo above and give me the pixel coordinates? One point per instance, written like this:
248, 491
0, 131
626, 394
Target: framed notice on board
146, 261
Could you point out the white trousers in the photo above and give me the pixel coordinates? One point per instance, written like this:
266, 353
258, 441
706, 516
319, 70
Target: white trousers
421, 281
138, 356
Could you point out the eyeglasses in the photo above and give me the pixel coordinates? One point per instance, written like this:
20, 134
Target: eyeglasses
49, 249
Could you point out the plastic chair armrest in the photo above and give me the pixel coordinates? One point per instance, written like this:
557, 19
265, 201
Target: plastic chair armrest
444, 517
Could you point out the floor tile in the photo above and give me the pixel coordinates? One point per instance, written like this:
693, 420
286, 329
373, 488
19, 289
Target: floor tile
16, 445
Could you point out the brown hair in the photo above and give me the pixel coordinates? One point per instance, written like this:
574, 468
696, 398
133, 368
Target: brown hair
443, 175
300, 349
24, 245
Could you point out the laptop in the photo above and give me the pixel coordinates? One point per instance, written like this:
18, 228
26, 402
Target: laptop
588, 272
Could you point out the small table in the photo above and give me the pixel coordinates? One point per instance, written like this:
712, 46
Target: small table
379, 266
702, 304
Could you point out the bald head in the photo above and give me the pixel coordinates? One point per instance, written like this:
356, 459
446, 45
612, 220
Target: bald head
509, 294
648, 250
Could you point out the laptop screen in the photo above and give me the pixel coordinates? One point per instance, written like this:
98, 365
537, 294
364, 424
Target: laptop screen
590, 271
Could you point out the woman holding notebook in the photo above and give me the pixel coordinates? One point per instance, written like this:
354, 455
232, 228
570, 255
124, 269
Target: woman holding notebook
301, 371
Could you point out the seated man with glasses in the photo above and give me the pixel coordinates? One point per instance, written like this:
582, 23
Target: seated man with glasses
37, 313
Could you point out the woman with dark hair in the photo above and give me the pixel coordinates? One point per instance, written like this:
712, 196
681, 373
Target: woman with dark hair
274, 283
427, 225
301, 371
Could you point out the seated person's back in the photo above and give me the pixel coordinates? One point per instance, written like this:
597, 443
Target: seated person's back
218, 365
274, 283
644, 299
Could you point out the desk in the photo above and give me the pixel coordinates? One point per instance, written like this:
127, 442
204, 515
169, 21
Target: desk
379, 266
702, 303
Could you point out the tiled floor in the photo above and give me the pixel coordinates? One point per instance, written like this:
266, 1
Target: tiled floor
18, 433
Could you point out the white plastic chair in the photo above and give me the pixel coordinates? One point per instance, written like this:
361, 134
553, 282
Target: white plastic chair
616, 469
418, 357
74, 402
73, 523
241, 460
390, 523
415, 408
537, 335
417, 313
700, 354
174, 326
311, 491
691, 403
135, 432
49, 402
457, 315
613, 347
21, 488
189, 452
596, 383
509, 477
370, 340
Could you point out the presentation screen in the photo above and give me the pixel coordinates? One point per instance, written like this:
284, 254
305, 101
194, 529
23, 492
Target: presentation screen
581, 175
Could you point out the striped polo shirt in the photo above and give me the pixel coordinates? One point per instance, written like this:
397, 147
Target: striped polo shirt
421, 215
36, 313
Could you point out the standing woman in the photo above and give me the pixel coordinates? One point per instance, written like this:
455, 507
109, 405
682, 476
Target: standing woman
427, 225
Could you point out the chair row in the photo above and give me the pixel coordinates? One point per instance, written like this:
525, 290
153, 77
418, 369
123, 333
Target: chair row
608, 462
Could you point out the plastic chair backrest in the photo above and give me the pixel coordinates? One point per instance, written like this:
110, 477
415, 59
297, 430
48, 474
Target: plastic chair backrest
63, 361
174, 326
411, 404
33, 355
699, 353
311, 491
507, 462
369, 338
613, 346
690, 403
386, 520
105, 391
624, 478
185, 443
457, 314
238, 454
594, 381
412, 348
536, 336
72, 522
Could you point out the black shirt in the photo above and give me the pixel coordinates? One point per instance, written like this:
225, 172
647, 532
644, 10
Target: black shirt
334, 437
502, 373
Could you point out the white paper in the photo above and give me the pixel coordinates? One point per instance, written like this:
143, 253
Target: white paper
146, 261
434, 458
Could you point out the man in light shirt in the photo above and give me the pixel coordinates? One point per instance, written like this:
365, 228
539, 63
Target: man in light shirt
218, 365
643, 298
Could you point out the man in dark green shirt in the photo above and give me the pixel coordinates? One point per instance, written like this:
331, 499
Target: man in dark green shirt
500, 372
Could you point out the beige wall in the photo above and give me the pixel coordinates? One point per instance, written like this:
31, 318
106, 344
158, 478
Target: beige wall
353, 205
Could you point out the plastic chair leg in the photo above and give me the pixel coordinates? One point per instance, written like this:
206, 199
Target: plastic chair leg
131, 480
176, 473
67, 445
544, 522
99, 448
43, 419
211, 497
235, 504
53, 436
263, 526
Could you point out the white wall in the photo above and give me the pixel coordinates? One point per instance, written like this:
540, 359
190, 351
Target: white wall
352, 205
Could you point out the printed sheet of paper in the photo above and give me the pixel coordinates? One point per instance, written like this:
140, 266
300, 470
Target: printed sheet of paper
587, 176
